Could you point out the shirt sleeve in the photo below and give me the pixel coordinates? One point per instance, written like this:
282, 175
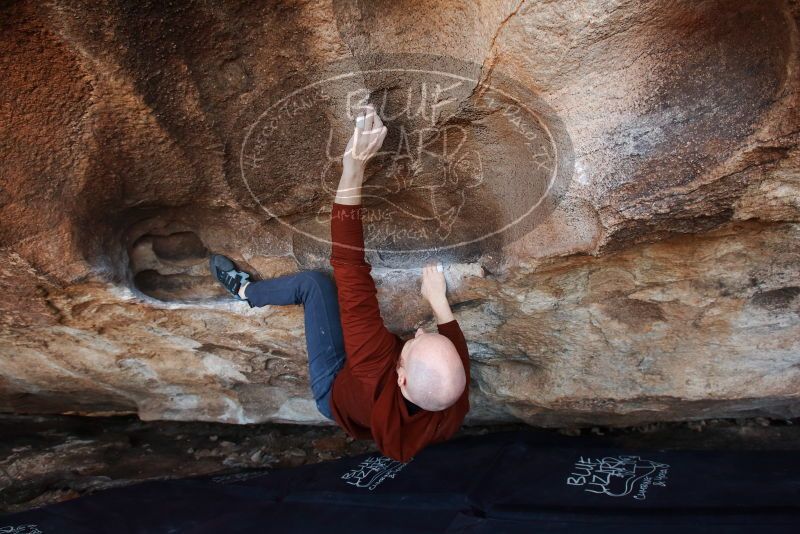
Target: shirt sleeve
368, 344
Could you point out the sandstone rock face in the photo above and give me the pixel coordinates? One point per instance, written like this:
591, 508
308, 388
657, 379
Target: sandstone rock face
612, 184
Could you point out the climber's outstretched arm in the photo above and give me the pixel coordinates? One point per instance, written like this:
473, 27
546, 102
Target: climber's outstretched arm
367, 138
368, 344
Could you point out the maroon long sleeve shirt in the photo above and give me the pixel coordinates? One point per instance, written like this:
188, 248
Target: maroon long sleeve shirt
366, 400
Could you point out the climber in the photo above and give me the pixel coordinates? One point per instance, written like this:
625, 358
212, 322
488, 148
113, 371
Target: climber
404, 394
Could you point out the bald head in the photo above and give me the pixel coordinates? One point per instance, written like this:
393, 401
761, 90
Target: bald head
430, 372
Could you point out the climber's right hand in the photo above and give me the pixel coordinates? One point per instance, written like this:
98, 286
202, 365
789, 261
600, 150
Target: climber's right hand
368, 135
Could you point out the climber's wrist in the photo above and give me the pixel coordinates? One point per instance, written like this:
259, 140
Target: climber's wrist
441, 309
353, 169
349, 191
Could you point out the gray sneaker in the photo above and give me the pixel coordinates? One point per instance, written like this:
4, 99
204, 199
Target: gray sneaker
225, 272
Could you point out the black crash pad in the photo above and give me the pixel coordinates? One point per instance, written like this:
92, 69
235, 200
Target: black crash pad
508, 482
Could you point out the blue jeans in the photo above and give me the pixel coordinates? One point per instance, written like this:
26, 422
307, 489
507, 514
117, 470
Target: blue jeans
317, 293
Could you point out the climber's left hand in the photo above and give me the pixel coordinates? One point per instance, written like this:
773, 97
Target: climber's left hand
434, 290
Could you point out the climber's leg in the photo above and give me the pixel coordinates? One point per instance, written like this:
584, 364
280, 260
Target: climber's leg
324, 340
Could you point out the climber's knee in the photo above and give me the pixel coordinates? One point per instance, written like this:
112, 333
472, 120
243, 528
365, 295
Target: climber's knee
312, 281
